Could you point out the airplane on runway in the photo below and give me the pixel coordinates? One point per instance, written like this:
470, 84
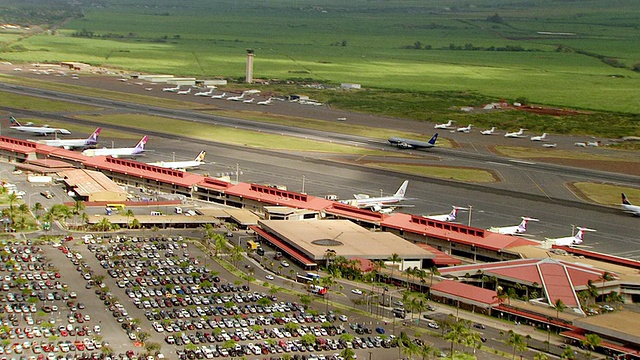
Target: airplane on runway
38, 130
380, 204
464, 129
513, 230
446, 125
205, 93
70, 144
488, 132
413, 144
119, 152
446, 217
542, 137
515, 134
571, 240
172, 89
182, 165
628, 207
219, 96
185, 92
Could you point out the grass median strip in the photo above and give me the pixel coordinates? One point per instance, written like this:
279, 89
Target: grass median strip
440, 172
606, 194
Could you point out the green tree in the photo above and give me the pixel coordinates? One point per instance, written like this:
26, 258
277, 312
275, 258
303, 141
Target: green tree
559, 306
517, 342
457, 335
568, 353
394, 258
347, 354
591, 342
540, 356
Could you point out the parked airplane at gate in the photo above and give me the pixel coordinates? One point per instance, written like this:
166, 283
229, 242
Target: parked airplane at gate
172, 89
446, 217
446, 125
571, 240
488, 132
513, 230
379, 203
542, 137
118, 152
413, 144
464, 129
628, 207
182, 165
38, 130
515, 134
71, 144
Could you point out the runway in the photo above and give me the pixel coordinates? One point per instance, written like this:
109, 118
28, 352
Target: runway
528, 189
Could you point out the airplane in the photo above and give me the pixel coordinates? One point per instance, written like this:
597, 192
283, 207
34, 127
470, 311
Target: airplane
513, 230
265, 102
413, 144
488, 132
571, 240
236, 98
182, 165
172, 89
379, 203
38, 130
248, 101
219, 96
628, 207
515, 134
464, 129
70, 144
184, 92
446, 217
446, 125
118, 152
205, 93
550, 145
542, 137
593, 143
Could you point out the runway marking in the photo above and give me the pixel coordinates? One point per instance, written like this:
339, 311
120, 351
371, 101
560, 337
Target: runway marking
523, 162
497, 163
361, 157
536, 184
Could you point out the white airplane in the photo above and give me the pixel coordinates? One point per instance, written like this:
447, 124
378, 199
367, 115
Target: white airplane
628, 207
571, 240
182, 165
185, 92
515, 134
118, 152
542, 137
379, 203
513, 230
265, 102
446, 125
236, 98
464, 129
593, 143
219, 96
248, 101
488, 132
446, 217
172, 89
71, 144
550, 145
413, 144
205, 93
38, 130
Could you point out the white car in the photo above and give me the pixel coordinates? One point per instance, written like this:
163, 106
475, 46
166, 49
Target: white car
343, 318
269, 277
285, 264
357, 291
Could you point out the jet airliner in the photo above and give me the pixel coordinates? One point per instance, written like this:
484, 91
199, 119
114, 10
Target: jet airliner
446, 217
513, 230
379, 203
71, 144
628, 207
38, 130
199, 160
413, 144
118, 152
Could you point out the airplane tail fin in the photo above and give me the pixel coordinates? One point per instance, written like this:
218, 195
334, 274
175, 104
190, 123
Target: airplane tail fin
14, 122
201, 156
402, 190
453, 214
142, 143
625, 201
523, 225
578, 238
93, 138
433, 139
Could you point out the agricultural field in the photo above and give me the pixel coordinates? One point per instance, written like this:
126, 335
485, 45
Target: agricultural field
548, 52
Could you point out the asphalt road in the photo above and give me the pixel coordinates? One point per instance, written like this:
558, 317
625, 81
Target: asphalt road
536, 190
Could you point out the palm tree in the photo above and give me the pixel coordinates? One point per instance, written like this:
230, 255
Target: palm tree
457, 335
129, 213
104, 224
560, 306
37, 208
409, 272
347, 354
433, 272
135, 224
606, 276
540, 356
394, 258
517, 341
568, 353
591, 342
426, 350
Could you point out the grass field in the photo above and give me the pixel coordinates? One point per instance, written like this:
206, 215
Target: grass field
607, 194
38, 104
440, 172
369, 42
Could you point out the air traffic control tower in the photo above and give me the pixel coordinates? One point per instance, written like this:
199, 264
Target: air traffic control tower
249, 76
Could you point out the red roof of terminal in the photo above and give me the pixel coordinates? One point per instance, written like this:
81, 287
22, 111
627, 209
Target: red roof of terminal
602, 257
441, 258
274, 196
558, 278
467, 291
17, 145
459, 233
142, 170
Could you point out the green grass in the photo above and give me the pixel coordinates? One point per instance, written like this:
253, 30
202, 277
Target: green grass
440, 172
297, 40
38, 104
606, 194
529, 153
